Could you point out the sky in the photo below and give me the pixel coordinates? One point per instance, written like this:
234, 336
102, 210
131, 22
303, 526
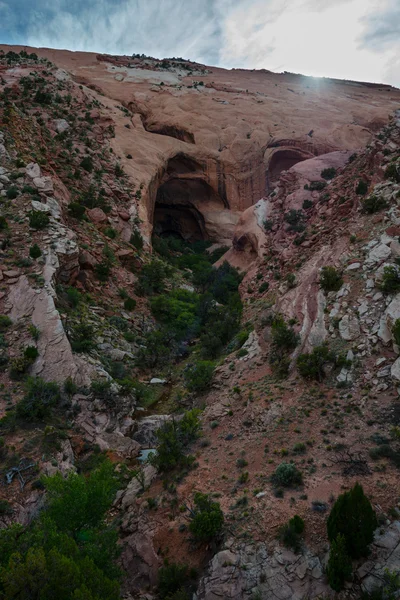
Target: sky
347, 39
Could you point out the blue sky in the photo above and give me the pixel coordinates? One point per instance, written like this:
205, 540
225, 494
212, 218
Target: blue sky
352, 39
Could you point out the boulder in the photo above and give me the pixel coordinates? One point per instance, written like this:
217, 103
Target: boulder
349, 328
97, 216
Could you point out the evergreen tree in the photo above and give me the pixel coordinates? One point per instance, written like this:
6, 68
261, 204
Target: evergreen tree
352, 516
339, 564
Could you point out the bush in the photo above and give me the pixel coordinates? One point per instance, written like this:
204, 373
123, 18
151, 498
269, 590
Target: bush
5, 322
76, 210
317, 186
31, 353
339, 568
34, 251
290, 534
12, 192
103, 270
82, 337
373, 204
38, 219
391, 280
87, 164
3, 223
311, 365
67, 551
287, 475
362, 188
130, 304
284, 341
295, 220
393, 172
328, 173
174, 438
353, 517
74, 296
136, 240
307, 204
110, 233
396, 332
263, 287
330, 279
151, 278
207, 518
39, 399
172, 578
198, 376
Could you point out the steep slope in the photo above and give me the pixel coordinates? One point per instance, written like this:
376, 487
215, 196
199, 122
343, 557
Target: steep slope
301, 179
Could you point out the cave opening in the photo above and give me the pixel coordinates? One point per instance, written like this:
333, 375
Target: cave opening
284, 159
185, 201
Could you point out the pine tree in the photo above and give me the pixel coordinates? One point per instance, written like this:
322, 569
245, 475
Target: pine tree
352, 516
339, 564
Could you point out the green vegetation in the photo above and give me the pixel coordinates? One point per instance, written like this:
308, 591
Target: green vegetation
5, 322
38, 219
391, 280
287, 475
3, 223
198, 376
328, 173
393, 172
290, 533
35, 251
39, 399
362, 188
174, 439
396, 332
173, 581
330, 279
295, 220
373, 204
68, 552
339, 565
130, 303
312, 365
206, 518
284, 341
353, 517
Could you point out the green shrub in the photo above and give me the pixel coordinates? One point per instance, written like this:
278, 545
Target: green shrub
287, 475
151, 278
87, 164
353, 517
110, 233
136, 240
34, 251
74, 296
396, 332
339, 568
31, 353
76, 210
393, 172
103, 270
284, 341
198, 376
295, 220
3, 223
391, 280
38, 219
263, 287
5, 322
174, 439
40, 397
330, 279
130, 304
307, 204
362, 188
328, 173
172, 578
207, 518
373, 204
82, 337
290, 533
12, 192
317, 186
312, 365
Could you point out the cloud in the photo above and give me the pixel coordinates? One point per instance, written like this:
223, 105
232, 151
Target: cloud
349, 39
382, 27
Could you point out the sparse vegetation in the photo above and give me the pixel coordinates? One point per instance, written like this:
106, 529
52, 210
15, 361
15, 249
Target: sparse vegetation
206, 518
330, 279
373, 204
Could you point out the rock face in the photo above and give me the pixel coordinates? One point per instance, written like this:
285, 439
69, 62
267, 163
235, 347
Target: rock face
210, 151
